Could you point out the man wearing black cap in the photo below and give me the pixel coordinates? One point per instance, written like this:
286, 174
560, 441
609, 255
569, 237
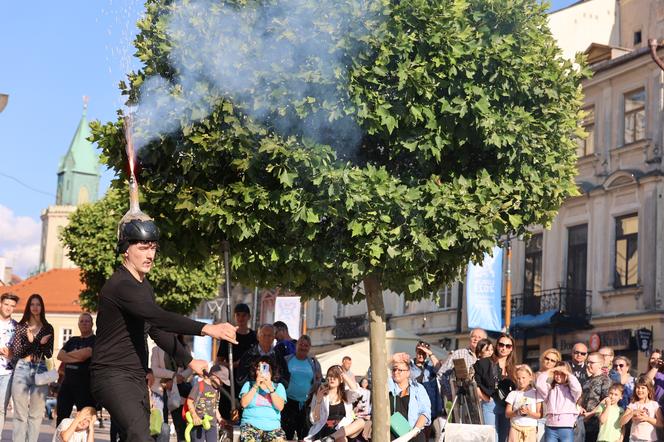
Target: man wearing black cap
127, 314
246, 337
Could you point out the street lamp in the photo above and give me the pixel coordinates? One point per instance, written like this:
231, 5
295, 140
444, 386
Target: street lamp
4, 98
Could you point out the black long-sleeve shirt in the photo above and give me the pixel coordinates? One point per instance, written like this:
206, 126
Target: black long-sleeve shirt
127, 313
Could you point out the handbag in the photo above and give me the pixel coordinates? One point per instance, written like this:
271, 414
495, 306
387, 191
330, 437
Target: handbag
46, 377
156, 421
398, 423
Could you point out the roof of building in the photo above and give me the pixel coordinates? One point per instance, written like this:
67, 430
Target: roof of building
58, 287
81, 156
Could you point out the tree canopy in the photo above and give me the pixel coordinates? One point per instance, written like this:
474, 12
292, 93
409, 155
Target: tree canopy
443, 125
91, 237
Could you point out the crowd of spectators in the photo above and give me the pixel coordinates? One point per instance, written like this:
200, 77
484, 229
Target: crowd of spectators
282, 394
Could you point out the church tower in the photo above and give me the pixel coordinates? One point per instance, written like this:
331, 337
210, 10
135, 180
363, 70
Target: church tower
78, 183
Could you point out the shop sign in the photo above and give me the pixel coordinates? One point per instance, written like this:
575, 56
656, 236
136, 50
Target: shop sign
616, 339
644, 339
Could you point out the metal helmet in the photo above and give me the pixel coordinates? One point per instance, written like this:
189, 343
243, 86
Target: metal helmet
134, 231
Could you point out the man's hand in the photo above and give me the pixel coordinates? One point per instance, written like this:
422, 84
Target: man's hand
179, 379
222, 331
197, 420
198, 366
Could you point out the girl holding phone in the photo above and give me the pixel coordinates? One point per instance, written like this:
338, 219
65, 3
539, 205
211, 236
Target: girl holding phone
332, 415
262, 401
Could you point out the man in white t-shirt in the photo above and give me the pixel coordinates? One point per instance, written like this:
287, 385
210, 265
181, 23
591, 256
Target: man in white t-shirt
80, 428
7, 327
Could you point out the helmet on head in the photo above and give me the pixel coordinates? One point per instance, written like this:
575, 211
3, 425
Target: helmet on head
134, 231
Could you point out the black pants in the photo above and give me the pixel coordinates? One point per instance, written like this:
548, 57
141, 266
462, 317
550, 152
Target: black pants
592, 429
74, 391
125, 396
295, 420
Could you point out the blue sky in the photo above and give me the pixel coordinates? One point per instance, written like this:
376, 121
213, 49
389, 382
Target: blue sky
54, 53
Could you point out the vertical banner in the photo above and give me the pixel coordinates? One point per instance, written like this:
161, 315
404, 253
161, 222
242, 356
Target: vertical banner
287, 309
484, 286
203, 345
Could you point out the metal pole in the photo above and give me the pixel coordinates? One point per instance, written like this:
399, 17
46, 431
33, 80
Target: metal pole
255, 316
227, 274
508, 285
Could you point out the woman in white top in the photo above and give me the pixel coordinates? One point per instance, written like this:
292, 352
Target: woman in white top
332, 415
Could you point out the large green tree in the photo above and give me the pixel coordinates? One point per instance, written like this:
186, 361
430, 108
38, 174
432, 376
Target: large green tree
91, 237
451, 123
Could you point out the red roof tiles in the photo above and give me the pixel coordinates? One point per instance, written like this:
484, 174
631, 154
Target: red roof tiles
59, 288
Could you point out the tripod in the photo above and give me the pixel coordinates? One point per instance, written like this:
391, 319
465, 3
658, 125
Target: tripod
464, 405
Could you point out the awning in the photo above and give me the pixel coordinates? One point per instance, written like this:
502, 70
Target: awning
546, 323
525, 322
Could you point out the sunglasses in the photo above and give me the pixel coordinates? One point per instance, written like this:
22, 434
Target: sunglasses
400, 370
553, 361
618, 365
503, 345
582, 353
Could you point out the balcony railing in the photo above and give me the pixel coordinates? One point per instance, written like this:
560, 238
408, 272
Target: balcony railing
573, 303
347, 327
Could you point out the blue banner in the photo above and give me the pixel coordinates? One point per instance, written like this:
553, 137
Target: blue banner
484, 287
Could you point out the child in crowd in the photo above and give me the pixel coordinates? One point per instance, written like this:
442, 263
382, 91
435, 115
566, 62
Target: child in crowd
524, 407
80, 428
203, 408
609, 415
644, 412
157, 406
561, 390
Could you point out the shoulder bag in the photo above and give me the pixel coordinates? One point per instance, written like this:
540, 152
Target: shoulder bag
398, 423
46, 377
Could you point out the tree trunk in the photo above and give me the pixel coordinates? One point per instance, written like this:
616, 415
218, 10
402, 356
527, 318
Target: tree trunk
380, 414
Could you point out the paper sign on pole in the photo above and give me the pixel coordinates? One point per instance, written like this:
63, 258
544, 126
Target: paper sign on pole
203, 345
484, 285
287, 309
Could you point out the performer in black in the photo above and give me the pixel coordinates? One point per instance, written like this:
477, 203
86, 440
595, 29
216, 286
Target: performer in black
127, 313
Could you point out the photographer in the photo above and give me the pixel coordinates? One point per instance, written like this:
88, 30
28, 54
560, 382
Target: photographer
423, 369
655, 373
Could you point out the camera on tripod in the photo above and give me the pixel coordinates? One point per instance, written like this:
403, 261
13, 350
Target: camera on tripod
465, 406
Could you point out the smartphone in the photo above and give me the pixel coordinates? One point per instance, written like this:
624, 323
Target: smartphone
265, 369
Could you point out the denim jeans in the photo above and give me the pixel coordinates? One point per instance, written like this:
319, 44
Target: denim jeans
494, 414
559, 434
5, 395
29, 401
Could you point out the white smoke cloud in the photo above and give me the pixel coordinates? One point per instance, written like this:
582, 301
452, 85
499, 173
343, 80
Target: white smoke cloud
19, 241
276, 61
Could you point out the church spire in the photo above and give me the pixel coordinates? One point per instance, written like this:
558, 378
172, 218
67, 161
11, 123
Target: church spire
78, 173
